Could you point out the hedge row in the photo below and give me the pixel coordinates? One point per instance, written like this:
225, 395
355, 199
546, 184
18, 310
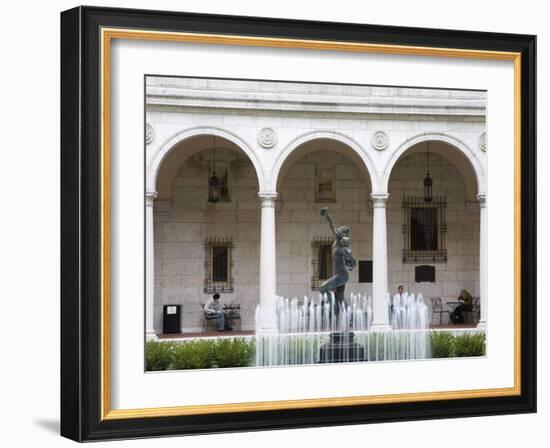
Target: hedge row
239, 352
447, 345
199, 354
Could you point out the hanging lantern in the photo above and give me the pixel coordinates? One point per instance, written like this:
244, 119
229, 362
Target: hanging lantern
428, 182
214, 182
213, 188
428, 188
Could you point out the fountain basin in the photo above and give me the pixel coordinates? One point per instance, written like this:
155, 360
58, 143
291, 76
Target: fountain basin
342, 348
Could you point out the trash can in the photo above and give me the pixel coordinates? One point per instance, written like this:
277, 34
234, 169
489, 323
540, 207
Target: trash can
171, 319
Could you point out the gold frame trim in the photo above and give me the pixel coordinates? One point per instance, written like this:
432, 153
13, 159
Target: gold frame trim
107, 35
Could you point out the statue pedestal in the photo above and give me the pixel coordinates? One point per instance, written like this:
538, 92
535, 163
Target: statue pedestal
342, 348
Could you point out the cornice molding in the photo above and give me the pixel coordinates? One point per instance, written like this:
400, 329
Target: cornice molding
392, 115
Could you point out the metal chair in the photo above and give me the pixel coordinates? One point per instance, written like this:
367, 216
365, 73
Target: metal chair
472, 317
437, 308
233, 316
207, 319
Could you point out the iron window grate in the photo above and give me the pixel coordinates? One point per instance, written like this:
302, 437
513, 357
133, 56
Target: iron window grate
424, 229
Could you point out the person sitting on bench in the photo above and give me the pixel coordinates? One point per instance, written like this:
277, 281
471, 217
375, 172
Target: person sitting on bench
466, 304
214, 310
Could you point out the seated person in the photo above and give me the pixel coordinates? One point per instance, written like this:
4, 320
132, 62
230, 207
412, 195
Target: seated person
214, 310
466, 304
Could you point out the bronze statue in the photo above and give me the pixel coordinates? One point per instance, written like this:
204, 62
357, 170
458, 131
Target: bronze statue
343, 263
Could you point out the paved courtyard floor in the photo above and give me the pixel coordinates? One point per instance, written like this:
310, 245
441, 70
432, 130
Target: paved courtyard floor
213, 333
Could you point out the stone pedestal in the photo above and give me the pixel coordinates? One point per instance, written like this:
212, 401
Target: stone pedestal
342, 348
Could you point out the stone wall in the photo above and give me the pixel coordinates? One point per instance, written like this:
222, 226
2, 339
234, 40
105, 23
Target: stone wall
299, 221
182, 225
462, 240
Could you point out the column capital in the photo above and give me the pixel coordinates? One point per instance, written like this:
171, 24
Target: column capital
267, 198
379, 199
482, 198
150, 197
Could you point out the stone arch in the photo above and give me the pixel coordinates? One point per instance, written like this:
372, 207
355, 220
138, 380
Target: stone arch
357, 152
461, 156
170, 144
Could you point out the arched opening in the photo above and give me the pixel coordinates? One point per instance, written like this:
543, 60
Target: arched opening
443, 233
319, 173
170, 160
203, 247
453, 150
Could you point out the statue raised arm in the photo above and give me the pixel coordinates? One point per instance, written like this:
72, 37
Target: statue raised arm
324, 212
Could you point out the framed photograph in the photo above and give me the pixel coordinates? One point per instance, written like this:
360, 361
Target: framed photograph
276, 224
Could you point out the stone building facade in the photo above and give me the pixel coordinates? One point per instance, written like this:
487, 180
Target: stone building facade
284, 150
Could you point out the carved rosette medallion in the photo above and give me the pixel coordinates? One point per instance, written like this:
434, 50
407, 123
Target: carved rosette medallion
149, 133
267, 138
380, 140
483, 141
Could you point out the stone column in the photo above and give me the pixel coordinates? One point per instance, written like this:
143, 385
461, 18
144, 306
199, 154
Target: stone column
483, 273
268, 266
379, 262
150, 197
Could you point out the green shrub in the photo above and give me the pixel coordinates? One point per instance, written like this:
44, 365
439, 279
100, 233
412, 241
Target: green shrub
194, 355
158, 355
446, 345
442, 344
236, 352
470, 345
239, 352
199, 354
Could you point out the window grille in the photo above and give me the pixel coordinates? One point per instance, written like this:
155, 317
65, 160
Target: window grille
424, 229
218, 265
321, 261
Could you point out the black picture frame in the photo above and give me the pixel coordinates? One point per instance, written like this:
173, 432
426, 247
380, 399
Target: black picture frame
81, 208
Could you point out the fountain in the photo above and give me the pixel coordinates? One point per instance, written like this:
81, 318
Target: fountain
309, 333
328, 329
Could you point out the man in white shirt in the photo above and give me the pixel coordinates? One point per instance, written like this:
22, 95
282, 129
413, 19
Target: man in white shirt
398, 298
214, 310
396, 303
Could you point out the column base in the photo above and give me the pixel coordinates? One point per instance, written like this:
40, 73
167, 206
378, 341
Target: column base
481, 326
151, 336
267, 322
379, 328
266, 332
